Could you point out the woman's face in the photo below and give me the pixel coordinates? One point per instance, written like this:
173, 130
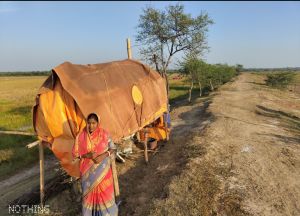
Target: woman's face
92, 125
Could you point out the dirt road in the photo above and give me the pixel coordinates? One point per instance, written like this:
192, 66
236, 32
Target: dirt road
256, 136
252, 160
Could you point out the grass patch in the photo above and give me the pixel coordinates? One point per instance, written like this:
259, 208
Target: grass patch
29, 73
17, 96
14, 155
15, 117
179, 89
297, 78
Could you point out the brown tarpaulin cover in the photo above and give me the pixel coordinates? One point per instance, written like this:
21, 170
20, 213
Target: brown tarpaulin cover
74, 91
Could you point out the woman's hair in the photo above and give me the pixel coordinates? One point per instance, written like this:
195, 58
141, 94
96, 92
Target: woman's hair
93, 116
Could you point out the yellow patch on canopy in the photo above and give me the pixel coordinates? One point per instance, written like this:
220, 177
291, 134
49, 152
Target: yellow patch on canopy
137, 95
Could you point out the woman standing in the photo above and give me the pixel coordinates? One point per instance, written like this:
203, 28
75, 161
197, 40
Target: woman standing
93, 148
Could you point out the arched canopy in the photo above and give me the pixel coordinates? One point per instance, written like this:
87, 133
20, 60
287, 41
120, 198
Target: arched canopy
127, 95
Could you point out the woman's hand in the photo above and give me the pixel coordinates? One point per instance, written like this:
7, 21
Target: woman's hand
101, 157
89, 155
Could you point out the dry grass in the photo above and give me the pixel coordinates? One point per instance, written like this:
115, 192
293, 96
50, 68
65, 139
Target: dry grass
5, 155
197, 190
17, 95
178, 87
190, 193
14, 155
293, 86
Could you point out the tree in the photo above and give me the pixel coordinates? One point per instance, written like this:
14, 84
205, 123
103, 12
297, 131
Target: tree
211, 71
190, 67
195, 69
163, 33
202, 76
205, 75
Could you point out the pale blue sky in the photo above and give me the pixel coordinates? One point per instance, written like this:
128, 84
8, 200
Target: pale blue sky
41, 35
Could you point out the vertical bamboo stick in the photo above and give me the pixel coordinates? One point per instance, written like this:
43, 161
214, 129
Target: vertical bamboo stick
42, 172
145, 144
115, 175
129, 48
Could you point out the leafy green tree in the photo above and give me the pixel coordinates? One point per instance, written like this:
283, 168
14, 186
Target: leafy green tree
163, 33
190, 67
201, 75
211, 76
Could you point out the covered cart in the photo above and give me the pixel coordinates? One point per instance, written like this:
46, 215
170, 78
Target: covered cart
127, 95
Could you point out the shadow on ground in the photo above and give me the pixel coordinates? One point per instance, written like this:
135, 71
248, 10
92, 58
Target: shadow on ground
287, 120
284, 139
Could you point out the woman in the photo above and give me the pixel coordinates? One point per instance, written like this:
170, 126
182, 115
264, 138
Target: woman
93, 148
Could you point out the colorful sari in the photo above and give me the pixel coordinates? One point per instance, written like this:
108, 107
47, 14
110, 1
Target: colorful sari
96, 179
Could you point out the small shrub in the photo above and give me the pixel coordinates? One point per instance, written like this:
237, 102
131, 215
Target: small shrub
279, 80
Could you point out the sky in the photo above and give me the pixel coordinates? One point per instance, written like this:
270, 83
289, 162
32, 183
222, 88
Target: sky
41, 35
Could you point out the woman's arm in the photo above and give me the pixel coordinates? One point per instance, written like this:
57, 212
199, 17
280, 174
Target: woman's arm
111, 150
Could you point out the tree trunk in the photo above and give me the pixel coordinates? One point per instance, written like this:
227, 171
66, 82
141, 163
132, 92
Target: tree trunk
211, 85
156, 64
190, 91
200, 88
166, 76
168, 87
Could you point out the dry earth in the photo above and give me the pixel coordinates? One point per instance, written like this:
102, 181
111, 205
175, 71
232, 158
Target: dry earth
252, 160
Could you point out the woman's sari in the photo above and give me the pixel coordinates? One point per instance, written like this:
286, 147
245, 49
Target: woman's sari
96, 179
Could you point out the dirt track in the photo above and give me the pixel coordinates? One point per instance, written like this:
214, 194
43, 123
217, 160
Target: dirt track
236, 152
252, 160
246, 162
256, 135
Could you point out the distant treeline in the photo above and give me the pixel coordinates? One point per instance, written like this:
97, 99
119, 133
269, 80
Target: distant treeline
207, 76
31, 73
288, 69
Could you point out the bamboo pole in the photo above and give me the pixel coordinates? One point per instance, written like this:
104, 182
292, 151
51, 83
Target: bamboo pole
30, 145
17, 133
129, 48
42, 172
145, 144
115, 176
